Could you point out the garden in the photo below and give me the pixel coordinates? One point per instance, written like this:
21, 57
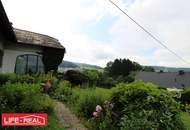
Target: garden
127, 107
24, 94
99, 100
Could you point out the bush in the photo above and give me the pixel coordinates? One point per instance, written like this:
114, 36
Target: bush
84, 101
86, 104
107, 82
39, 103
7, 77
37, 78
76, 77
143, 106
185, 96
19, 98
63, 91
93, 76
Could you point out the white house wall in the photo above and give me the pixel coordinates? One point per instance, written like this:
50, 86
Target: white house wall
10, 54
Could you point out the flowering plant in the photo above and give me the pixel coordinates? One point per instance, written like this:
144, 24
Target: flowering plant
98, 108
98, 111
102, 117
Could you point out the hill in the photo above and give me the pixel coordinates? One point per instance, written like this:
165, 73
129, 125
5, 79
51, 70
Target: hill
68, 65
170, 69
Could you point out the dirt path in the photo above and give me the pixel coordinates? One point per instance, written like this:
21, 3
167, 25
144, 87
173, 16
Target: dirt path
67, 118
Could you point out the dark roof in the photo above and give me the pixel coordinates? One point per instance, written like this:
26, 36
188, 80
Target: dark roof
169, 80
32, 38
5, 26
25, 37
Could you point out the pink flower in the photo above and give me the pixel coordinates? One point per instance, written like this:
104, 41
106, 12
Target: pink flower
98, 108
95, 114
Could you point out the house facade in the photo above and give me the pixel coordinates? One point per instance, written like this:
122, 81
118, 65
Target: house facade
22, 51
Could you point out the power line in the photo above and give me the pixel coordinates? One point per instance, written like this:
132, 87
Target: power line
150, 34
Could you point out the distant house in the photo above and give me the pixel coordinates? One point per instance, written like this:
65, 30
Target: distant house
21, 51
166, 79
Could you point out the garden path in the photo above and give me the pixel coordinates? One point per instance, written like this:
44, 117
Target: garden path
67, 118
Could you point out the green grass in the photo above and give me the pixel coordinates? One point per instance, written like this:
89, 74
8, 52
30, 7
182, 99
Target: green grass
186, 120
82, 96
102, 92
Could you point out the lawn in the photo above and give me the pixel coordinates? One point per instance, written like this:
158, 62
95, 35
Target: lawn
186, 120
102, 92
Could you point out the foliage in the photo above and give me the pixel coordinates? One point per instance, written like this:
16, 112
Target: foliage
24, 97
93, 76
126, 79
86, 104
6, 77
22, 94
106, 82
98, 121
131, 77
52, 58
185, 96
148, 69
144, 106
36, 78
186, 119
86, 77
76, 77
63, 91
99, 92
103, 118
121, 67
83, 101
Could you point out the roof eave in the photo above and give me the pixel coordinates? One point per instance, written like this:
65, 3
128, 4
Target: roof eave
6, 26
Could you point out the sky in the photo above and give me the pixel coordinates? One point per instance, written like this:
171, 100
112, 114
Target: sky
96, 32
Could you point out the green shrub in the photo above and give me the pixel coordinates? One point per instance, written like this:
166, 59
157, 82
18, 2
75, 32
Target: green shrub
24, 79
93, 76
76, 77
107, 82
185, 96
7, 77
143, 106
63, 91
39, 103
86, 104
22, 97
36, 78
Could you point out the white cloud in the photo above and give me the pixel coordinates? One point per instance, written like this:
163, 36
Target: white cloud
169, 20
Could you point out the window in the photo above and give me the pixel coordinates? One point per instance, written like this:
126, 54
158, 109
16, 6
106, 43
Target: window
21, 64
30, 64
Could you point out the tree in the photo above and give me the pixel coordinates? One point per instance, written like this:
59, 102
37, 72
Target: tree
148, 69
93, 76
76, 77
121, 67
52, 58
